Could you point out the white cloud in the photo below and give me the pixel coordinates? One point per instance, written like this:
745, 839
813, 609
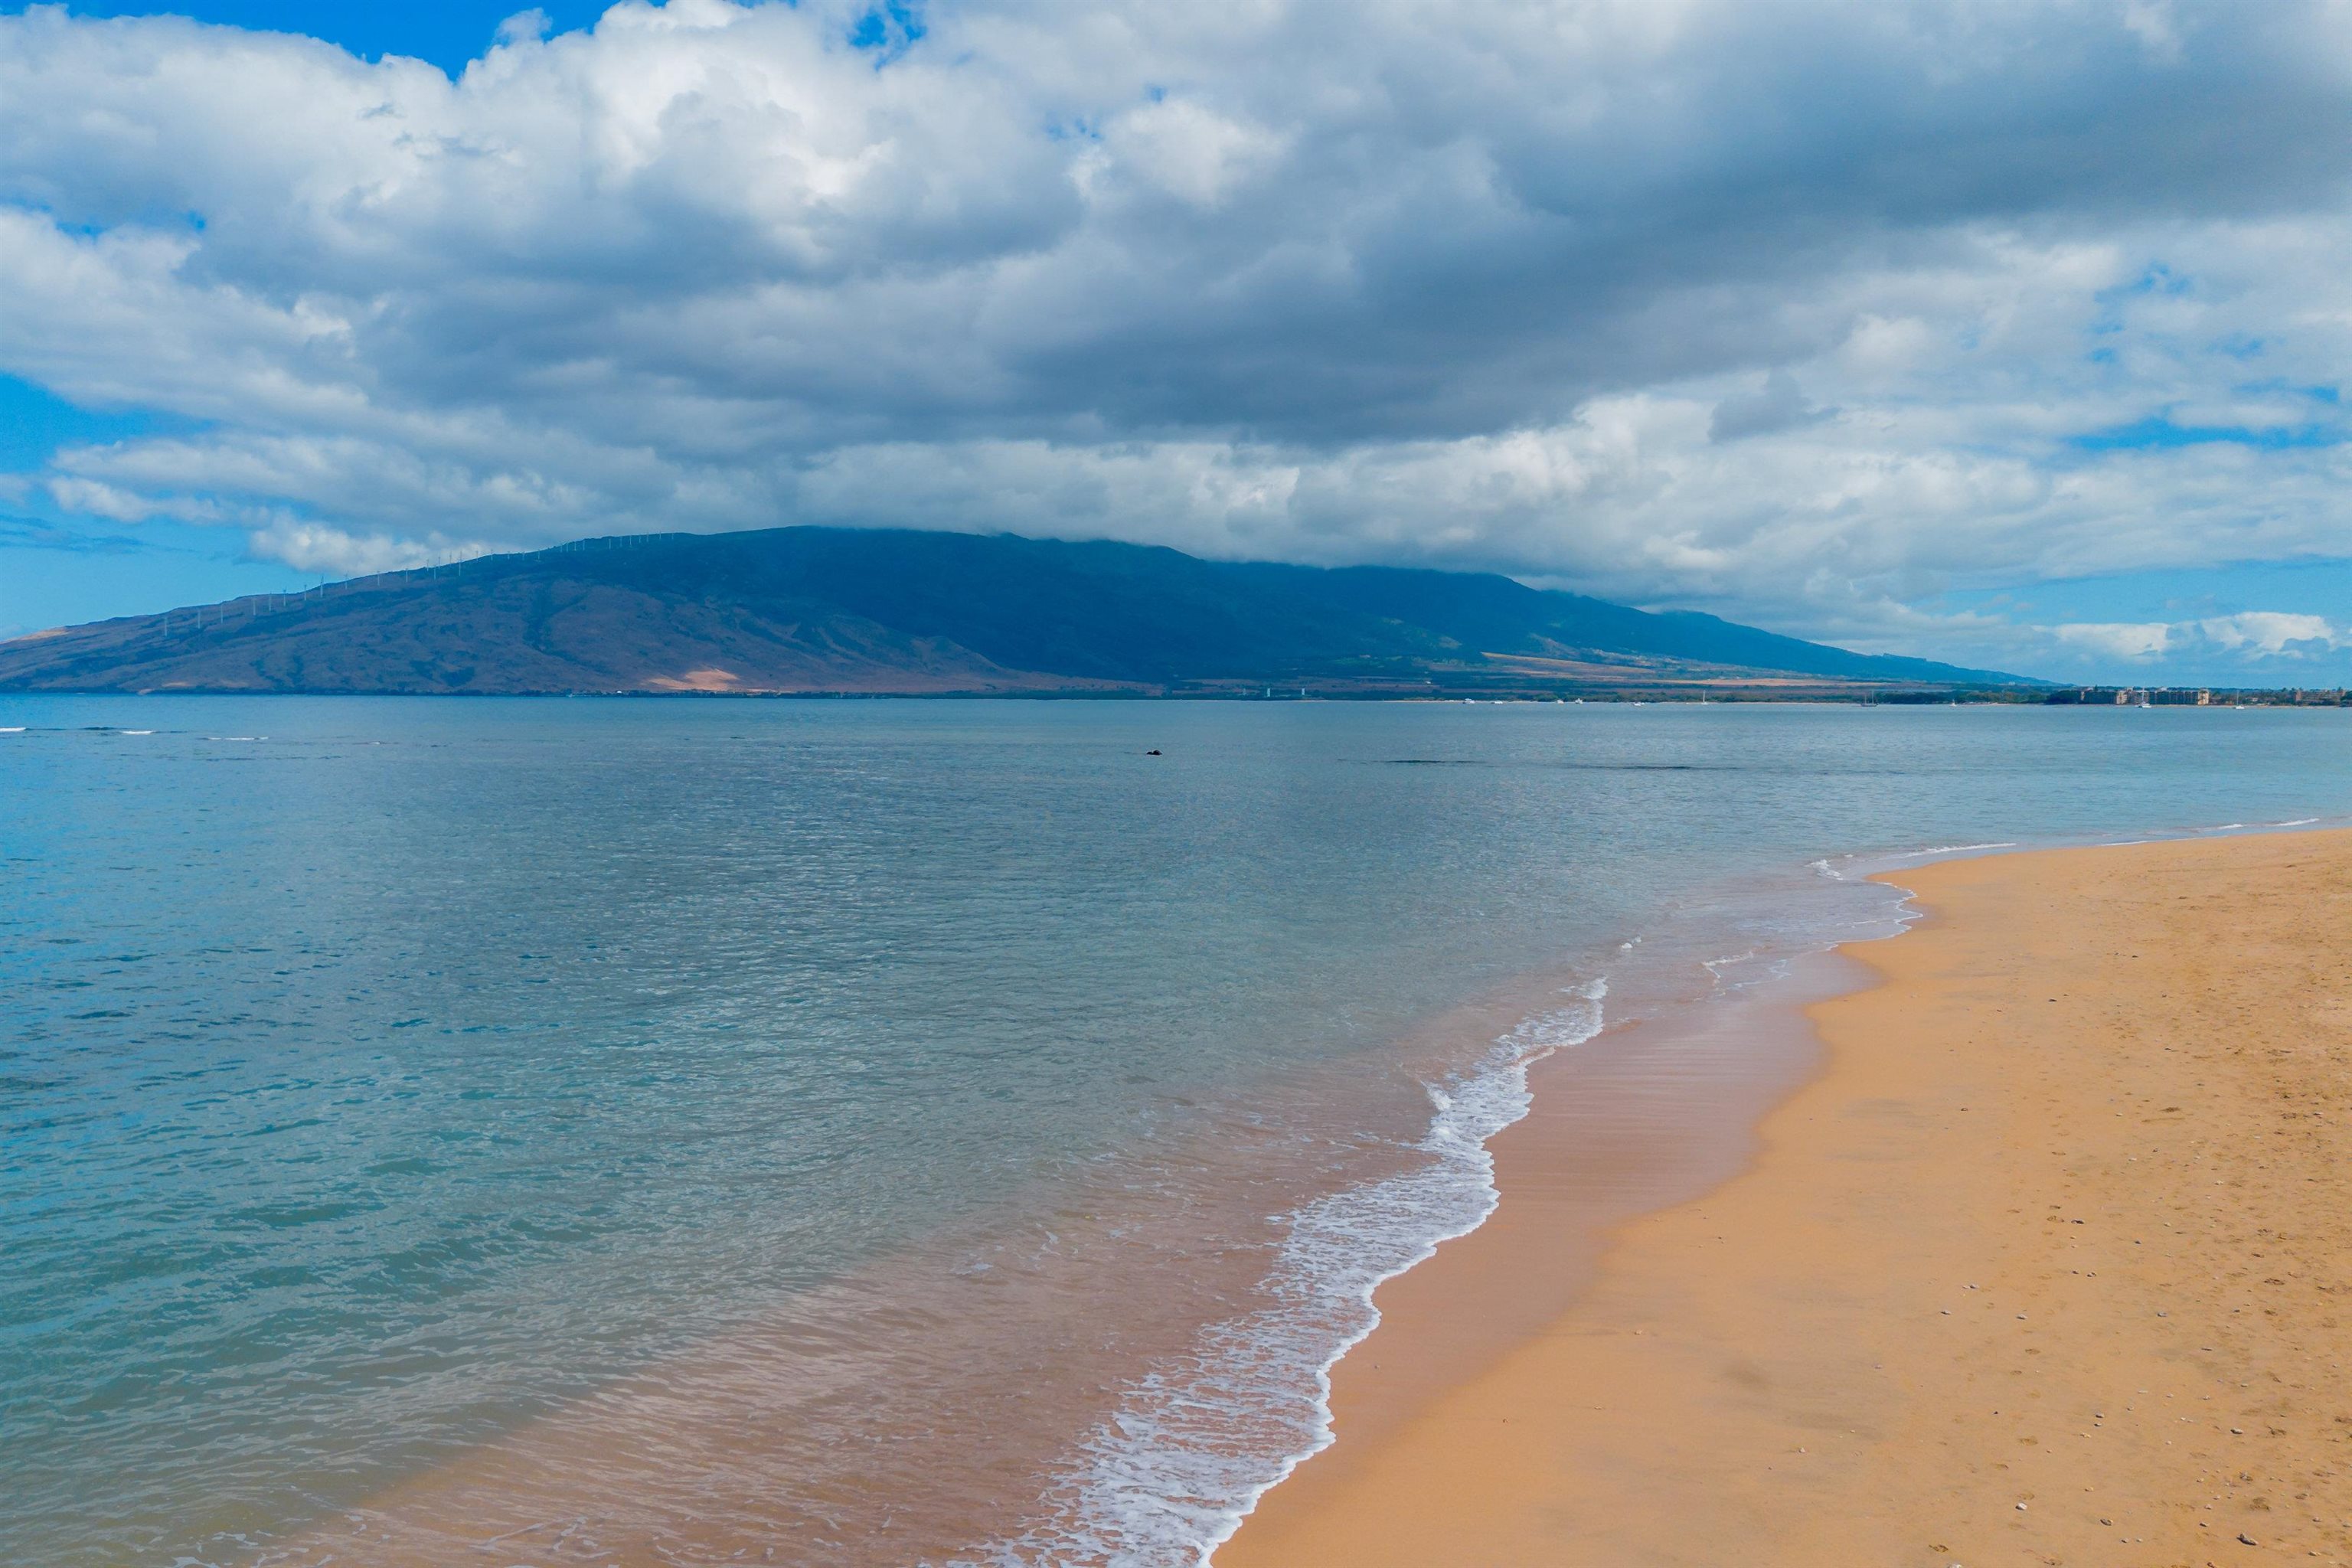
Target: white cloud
1608, 293
1186, 149
2118, 639
2271, 632
309, 547
2253, 635
95, 498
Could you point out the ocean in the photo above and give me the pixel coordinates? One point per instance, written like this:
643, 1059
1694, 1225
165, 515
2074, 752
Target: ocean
547, 1130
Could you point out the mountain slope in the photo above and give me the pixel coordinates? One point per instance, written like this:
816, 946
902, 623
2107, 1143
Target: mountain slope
834, 610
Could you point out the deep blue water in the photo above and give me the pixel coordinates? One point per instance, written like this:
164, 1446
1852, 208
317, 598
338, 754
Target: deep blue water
375, 1073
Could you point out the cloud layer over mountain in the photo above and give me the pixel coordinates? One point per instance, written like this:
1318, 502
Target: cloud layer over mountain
1801, 312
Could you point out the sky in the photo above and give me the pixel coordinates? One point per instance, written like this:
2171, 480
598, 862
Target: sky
2015, 335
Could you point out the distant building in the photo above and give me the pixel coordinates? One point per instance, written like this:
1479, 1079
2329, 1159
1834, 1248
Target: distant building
2194, 697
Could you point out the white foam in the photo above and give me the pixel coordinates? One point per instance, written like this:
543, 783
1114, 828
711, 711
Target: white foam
11, 729
1716, 965
1195, 1442
1846, 868
1956, 849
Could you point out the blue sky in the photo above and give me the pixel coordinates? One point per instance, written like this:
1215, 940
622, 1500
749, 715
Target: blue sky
448, 34
2023, 347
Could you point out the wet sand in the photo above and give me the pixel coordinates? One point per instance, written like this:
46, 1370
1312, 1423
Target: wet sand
2050, 1264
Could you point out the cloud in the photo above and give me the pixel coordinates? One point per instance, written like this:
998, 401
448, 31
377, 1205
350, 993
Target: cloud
310, 547
94, 498
1608, 293
31, 534
2253, 635
1776, 405
2118, 639
2274, 633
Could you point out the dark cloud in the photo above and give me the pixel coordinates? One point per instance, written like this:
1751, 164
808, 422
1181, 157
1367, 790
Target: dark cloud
1778, 404
31, 534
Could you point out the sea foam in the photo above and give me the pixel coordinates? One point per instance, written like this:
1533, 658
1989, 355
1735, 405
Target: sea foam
1196, 1441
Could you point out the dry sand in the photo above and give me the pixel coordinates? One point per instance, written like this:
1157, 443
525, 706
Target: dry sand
2052, 1264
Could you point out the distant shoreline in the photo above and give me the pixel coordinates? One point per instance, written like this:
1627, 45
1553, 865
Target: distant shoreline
1997, 697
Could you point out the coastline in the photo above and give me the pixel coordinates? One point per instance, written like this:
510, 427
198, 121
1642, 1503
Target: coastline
2015, 1276
1194, 1437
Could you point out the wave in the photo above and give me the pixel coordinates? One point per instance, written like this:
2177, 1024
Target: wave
1935, 849
1197, 1441
1846, 868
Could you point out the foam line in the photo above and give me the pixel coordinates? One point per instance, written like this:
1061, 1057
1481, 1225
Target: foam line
1195, 1443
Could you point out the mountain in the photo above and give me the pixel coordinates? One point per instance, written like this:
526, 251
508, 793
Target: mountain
854, 610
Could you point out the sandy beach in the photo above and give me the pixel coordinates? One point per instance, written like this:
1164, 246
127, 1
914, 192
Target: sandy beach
2048, 1264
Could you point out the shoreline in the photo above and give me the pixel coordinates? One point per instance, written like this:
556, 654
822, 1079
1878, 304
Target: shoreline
1643, 1115
1653, 1111
1749, 1370
1680, 1067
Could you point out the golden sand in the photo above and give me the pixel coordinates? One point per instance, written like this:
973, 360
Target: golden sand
2052, 1264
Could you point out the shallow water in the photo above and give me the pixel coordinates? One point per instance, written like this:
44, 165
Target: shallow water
847, 1132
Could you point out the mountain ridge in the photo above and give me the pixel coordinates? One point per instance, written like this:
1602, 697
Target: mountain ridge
888, 611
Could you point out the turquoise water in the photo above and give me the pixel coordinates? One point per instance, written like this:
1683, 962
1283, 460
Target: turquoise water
385, 1082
